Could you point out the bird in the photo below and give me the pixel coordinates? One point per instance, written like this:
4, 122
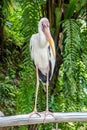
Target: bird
43, 54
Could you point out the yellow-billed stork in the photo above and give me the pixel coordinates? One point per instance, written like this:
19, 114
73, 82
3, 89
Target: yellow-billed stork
42, 49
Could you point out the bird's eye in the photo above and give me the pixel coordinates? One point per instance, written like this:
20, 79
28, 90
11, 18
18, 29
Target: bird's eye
47, 25
43, 25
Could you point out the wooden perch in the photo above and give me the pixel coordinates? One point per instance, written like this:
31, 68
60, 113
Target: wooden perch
35, 119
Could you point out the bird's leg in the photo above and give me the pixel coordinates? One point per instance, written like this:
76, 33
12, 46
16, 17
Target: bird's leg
47, 112
37, 86
47, 89
36, 94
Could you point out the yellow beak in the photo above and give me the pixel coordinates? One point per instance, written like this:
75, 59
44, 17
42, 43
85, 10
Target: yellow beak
50, 40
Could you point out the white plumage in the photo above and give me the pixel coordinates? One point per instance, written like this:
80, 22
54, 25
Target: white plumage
43, 54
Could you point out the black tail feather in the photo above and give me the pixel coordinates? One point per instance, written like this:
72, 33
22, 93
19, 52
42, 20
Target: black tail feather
44, 77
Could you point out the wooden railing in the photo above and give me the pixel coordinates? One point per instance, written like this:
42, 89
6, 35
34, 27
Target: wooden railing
35, 119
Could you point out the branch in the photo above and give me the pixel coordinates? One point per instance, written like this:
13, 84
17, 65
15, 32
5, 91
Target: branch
35, 119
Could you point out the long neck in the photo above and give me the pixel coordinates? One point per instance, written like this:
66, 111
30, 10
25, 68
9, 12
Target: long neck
42, 38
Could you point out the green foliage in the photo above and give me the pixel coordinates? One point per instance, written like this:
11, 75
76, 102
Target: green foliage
71, 54
74, 7
31, 16
70, 8
8, 64
7, 96
7, 7
84, 47
25, 93
12, 28
74, 69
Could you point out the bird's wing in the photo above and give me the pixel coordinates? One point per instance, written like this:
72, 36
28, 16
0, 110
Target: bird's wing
31, 46
51, 62
33, 43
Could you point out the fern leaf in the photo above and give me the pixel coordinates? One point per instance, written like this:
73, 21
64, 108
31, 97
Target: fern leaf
71, 55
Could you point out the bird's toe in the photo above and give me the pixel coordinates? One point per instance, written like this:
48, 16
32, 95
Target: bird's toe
34, 113
48, 113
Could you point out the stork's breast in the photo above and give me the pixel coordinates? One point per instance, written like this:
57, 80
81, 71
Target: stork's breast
41, 58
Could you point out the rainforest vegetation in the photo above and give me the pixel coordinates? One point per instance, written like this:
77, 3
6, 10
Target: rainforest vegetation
68, 88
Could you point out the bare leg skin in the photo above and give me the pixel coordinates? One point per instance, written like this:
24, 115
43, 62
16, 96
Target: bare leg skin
47, 112
36, 94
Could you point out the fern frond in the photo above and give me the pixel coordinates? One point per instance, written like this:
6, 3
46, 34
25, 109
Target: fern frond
71, 54
84, 46
31, 17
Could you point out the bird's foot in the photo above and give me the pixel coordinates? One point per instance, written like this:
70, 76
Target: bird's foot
47, 112
33, 113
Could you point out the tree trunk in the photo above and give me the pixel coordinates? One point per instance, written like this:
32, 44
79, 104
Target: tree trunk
51, 7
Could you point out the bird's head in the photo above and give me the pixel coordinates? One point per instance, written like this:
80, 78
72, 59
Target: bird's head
44, 26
